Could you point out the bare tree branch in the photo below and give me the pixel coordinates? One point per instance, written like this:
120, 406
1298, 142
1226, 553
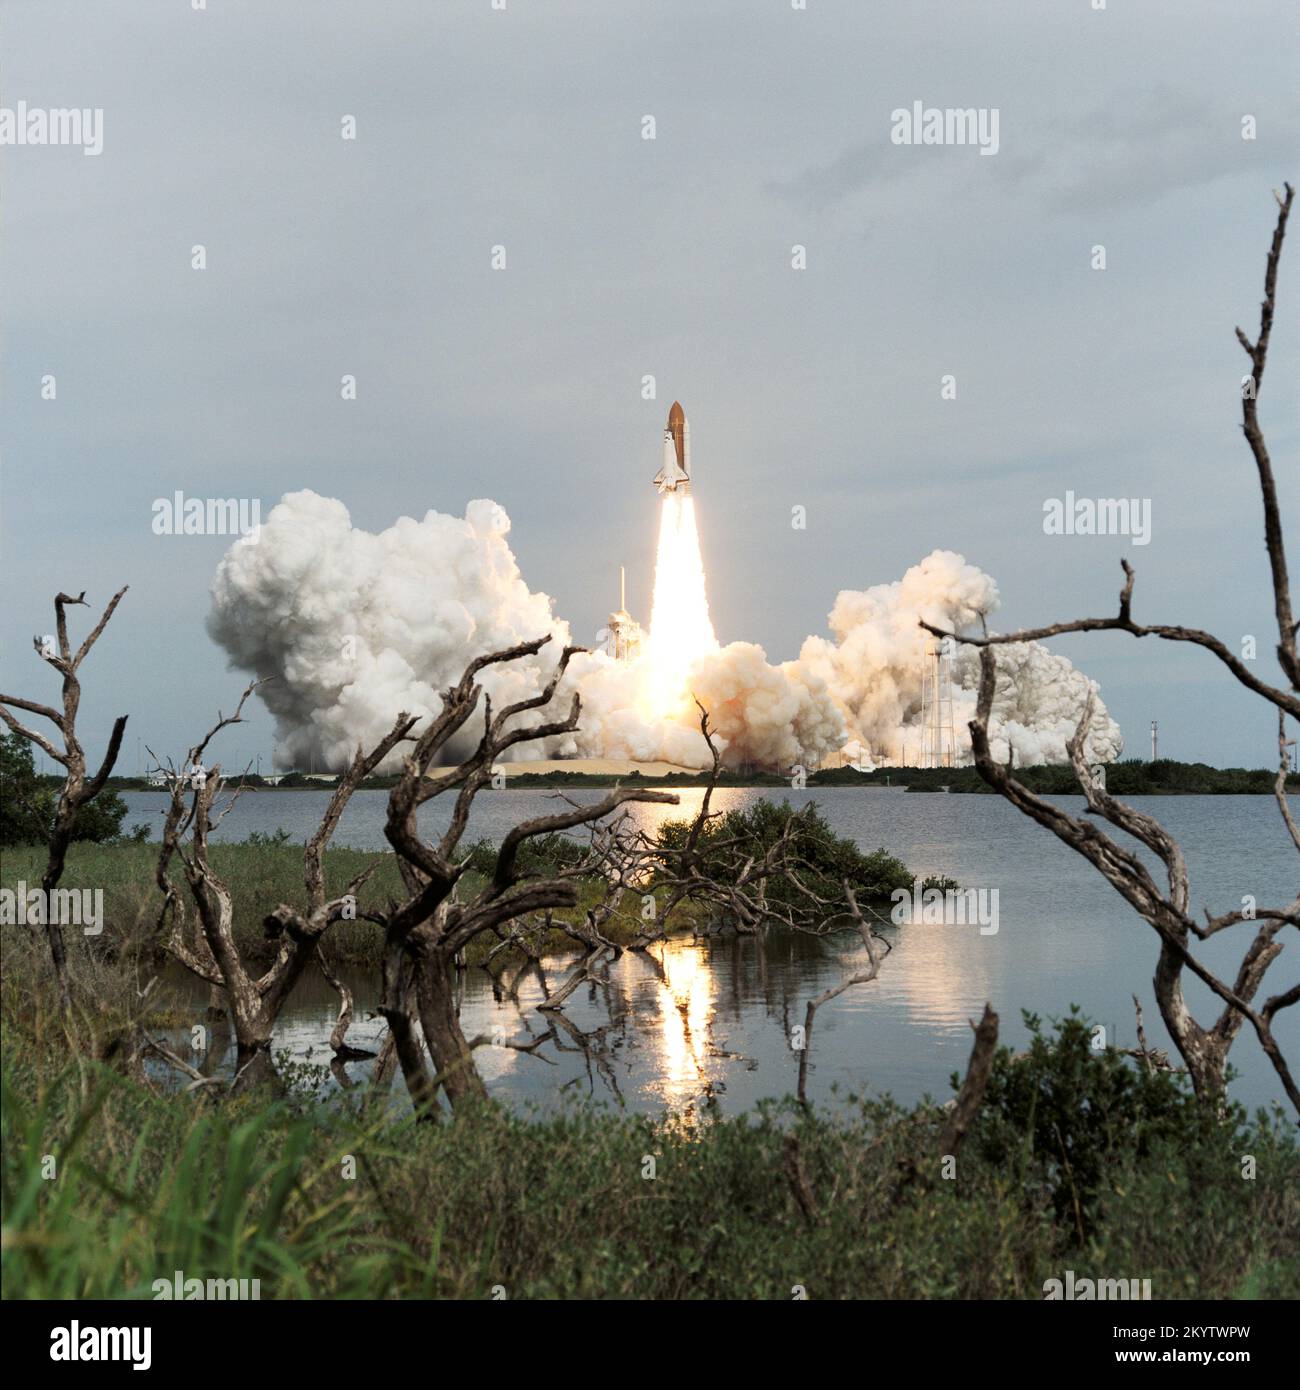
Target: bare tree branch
77, 792
1204, 1050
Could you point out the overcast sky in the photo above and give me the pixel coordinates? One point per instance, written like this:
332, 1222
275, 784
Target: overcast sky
627, 257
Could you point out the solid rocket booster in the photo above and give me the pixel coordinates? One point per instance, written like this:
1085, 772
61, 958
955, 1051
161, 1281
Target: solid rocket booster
675, 473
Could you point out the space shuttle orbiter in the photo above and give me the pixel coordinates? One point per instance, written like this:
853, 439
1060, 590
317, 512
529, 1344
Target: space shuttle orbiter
675, 475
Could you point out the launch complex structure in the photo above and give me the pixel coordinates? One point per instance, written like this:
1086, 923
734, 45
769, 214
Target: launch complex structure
624, 634
938, 731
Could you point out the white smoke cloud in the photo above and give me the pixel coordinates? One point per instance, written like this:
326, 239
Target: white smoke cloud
351, 627
612, 726
1037, 703
874, 665
778, 716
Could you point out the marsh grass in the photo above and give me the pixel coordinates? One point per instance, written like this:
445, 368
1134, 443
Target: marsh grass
354, 1199
261, 874
1077, 1161
561, 1207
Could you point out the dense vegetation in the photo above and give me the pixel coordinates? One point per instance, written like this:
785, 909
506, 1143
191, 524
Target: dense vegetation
1129, 778
824, 859
27, 802
346, 1199
264, 871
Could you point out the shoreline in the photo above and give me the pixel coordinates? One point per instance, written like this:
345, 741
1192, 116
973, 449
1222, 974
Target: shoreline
961, 782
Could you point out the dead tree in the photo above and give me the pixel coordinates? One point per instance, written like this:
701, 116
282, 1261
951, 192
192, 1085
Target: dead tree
427, 933
76, 791
213, 954
1204, 1048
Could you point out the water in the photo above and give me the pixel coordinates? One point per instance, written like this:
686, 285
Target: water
713, 1019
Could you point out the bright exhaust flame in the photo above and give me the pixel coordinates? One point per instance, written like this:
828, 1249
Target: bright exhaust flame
680, 630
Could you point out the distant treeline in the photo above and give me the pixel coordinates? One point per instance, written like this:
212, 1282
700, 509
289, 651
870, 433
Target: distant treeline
1164, 777
1133, 777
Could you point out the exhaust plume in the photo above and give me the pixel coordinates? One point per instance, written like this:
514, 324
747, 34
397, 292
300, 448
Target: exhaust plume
874, 663
349, 627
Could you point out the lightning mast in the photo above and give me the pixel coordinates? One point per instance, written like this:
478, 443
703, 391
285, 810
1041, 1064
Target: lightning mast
938, 733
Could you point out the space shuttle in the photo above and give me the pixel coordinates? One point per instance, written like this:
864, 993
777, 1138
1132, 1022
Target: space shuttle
675, 475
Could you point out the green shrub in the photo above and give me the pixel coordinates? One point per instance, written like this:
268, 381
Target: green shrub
1063, 1113
27, 803
825, 858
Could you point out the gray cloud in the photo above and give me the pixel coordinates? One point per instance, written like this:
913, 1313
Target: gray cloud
1162, 141
626, 257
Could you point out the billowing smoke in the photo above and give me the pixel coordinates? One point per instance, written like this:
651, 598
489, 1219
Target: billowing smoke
348, 627
775, 716
874, 669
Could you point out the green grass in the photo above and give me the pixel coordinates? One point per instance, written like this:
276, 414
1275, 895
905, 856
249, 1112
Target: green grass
344, 1203
260, 877
109, 1181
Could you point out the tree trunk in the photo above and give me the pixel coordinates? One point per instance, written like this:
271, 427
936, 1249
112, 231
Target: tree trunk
58, 852
453, 1058
1204, 1054
253, 1068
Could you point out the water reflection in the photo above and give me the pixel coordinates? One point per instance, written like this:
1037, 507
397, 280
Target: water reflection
651, 816
712, 1018
675, 1028
683, 997
938, 974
